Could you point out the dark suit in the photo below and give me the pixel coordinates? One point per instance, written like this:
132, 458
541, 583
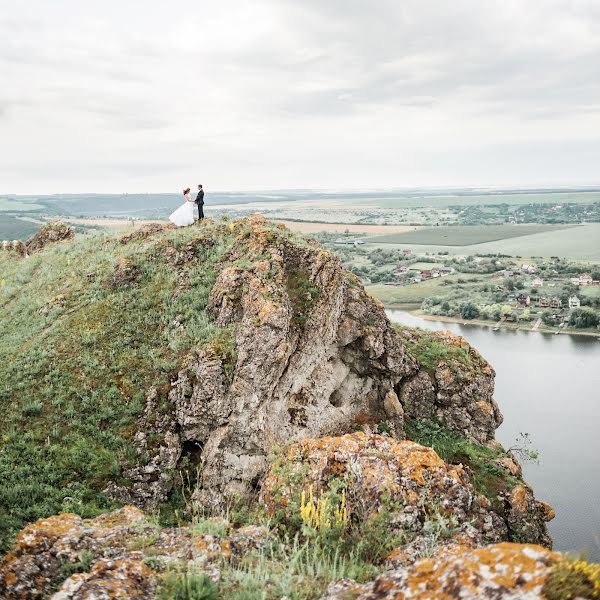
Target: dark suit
200, 204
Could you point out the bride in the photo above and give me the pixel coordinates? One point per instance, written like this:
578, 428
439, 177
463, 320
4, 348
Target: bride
184, 215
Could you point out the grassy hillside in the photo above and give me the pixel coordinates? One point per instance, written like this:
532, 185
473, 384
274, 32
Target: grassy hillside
88, 327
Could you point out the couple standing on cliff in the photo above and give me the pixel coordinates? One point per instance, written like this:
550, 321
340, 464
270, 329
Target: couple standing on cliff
184, 215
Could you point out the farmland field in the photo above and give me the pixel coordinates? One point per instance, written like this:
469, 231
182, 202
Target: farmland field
415, 293
465, 235
9, 205
12, 228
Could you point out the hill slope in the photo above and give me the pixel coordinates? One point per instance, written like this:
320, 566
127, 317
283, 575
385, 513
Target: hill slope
171, 363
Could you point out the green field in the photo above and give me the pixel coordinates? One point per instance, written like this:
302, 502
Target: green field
13, 228
463, 235
414, 293
9, 205
581, 242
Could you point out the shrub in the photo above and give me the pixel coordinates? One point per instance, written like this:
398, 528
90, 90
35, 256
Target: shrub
187, 585
572, 579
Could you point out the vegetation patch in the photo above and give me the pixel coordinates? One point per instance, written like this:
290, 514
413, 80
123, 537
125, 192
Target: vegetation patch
487, 476
463, 235
302, 293
73, 377
571, 579
430, 350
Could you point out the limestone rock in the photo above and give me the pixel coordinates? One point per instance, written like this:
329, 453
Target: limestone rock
119, 546
457, 390
50, 233
315, 356
380, 473
498, 572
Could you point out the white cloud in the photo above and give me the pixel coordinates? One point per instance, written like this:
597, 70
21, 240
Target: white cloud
142, 95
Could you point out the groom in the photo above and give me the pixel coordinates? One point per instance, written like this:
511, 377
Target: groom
200, 202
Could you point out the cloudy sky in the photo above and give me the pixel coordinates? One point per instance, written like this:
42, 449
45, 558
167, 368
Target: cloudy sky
148, 95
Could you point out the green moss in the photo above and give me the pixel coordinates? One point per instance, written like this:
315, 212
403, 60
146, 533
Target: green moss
487, 476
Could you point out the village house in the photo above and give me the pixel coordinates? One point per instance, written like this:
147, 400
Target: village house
446, 271
585, 279
529, 269
544, 302
537, 283
574, 302
426, 274
555, 302
435, 272
401, 269
524, 299
575, 281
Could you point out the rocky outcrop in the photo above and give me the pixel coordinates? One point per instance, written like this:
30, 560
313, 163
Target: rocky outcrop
498, 572
109, 556
315, 355
426, 498
50, 233
454, 385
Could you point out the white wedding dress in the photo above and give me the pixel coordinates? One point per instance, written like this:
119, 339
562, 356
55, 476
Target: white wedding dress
184, 215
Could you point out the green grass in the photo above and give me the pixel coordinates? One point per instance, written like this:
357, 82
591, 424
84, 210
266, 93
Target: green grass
430, 351
78, 354
487, 476
463, 235
299, 570
414, 292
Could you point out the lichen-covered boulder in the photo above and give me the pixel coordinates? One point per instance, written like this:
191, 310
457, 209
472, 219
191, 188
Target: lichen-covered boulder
502, 571
109, 556
455, 384
379, 473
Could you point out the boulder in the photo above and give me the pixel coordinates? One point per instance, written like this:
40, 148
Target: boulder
109, 556
50, 233
502, 571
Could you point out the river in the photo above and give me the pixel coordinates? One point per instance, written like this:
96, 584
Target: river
548, 386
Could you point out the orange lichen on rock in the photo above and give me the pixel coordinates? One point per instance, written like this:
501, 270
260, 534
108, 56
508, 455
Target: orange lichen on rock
501, 572
118, 543
127, 577
376, 470
518, 499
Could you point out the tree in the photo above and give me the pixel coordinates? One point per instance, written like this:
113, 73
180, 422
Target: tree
469, 311
548, 318
582, 318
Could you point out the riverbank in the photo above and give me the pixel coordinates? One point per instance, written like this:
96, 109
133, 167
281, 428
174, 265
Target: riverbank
417, 312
